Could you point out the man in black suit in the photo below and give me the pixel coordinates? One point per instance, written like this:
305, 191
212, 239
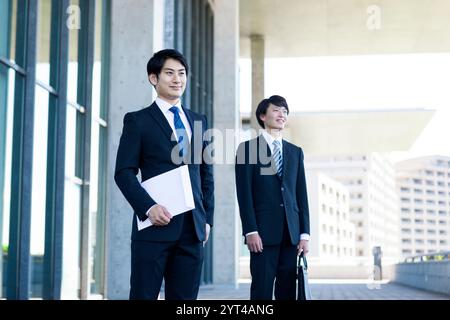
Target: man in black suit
155, 140
273, 204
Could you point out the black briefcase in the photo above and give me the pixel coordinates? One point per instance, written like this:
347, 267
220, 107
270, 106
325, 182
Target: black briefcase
303, 289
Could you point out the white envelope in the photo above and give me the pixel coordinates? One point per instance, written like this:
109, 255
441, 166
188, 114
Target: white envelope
172, 190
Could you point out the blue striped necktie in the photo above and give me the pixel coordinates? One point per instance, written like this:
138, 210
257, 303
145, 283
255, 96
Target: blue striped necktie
183, 140
277, 158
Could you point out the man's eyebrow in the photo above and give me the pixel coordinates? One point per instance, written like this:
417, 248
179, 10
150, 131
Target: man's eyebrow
170, 69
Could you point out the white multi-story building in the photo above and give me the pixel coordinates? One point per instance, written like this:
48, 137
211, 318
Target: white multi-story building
334, 234
424, 188
370, 180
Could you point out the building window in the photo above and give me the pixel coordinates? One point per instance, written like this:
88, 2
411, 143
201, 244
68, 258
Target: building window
57, 82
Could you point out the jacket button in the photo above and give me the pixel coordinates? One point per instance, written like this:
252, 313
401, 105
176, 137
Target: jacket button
281, 205
282, 189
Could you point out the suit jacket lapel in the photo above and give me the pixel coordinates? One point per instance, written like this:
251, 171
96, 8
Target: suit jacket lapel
285, 158
190, 154
161, 120
188, 116
262, 143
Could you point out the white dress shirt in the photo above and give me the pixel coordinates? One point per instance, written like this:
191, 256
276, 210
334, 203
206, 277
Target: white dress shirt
269, 139
164, 106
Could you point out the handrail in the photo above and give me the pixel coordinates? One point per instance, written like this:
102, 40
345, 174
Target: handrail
431, 257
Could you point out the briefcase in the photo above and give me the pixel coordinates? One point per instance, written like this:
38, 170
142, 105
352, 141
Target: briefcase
303, 289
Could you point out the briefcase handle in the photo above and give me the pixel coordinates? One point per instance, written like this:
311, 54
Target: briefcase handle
305, 263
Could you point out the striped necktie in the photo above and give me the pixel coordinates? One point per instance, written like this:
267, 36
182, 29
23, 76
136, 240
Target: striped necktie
183, 139
277, 158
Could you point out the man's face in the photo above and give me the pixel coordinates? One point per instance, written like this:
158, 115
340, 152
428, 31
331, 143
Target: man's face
275, 117
171, 82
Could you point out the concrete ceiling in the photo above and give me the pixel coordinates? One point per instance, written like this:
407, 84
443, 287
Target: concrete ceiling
293, 28
356, 132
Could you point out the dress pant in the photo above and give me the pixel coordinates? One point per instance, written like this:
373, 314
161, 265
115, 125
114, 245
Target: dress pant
178, 262
275, 262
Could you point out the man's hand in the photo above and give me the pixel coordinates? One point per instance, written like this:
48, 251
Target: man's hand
159, 216
303, 247
208, 229
254, 243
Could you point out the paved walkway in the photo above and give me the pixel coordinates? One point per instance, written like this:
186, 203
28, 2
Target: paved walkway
331, 290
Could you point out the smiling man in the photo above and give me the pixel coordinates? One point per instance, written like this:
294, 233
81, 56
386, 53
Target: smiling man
155, 140
273, 203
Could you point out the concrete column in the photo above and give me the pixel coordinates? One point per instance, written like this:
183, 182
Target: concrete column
257, 56
226, 116
132, 44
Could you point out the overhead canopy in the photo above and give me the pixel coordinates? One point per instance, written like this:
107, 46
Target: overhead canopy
294, 28
356, 132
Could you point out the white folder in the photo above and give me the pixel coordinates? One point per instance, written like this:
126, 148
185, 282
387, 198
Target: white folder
172, 190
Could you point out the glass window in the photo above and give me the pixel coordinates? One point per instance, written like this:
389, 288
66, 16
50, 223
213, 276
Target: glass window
72, 73
72, 214
98, 154
8, 18
7, 78
38, 194
43, 41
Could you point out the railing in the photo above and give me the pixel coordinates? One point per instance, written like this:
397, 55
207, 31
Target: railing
427, 272
437, 256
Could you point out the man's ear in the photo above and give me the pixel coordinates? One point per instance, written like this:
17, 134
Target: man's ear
262, 117
153, 79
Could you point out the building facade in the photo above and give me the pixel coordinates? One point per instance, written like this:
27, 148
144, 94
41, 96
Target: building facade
69, 71
370, 180
423, 185
330, 218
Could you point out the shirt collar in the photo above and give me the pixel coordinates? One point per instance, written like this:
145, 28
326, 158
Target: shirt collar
271, 139
165, 106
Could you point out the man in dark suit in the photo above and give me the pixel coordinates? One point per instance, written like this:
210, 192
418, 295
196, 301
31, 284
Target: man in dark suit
155, 140
273, 204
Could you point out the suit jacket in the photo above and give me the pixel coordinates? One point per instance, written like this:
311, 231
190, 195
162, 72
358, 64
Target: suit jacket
146, 144
265, 199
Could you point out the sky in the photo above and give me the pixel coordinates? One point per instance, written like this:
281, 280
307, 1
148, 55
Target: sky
402, 81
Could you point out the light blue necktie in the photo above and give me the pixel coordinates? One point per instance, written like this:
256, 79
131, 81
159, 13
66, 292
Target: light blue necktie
183, 139
277, 158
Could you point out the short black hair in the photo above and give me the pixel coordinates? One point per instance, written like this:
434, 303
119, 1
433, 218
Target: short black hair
278, 101
156, 63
